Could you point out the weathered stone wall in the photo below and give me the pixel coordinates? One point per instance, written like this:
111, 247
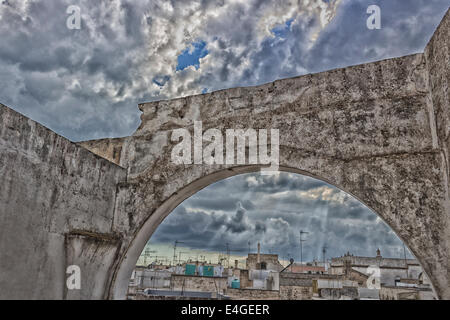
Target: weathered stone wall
358, 277
109, 149
346, 293
179, 282
252, 294
438, 64
296, 292
244, 279
271, 261
390, 268
141, 296
364, 262
399, 293
56, 209
438, 61
296, 279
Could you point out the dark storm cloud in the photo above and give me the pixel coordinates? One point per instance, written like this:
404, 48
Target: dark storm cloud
332, 218
260, 227
238, 223
198, 229
217, 221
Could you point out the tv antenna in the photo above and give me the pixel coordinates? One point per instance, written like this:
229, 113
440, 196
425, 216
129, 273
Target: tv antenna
147, 253
174, 251
324, 252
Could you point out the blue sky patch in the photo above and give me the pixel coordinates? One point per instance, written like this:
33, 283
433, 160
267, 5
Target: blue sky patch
191, 56
282, 30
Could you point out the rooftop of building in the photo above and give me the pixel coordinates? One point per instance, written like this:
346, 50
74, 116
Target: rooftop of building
299, 268
379, 260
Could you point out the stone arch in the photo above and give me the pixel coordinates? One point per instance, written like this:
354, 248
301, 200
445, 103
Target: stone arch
371, 130
377, 131
127, 263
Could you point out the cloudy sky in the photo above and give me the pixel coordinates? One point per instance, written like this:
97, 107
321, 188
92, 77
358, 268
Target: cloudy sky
86, 84
272, 209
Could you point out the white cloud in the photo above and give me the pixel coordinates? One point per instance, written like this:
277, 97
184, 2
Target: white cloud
123, 46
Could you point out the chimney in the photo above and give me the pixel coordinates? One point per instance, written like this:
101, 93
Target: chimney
378, 253
236, 262
258, 259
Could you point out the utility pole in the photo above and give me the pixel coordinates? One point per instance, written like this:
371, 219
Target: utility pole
301, 245
290, 259
324, 251
228, 255
174, 251
156, 258
147, 254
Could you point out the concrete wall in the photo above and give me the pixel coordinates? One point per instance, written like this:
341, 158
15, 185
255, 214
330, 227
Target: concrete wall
390, 268
301, 286
145, 278
437, 58
296, 292
364, 262
179, 282
56, 209
358, 277
396, 293
346, 293
271, 261
388, 275
296, 279
244, 279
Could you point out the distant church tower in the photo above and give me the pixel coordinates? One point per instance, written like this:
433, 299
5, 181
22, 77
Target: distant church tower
378, 253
